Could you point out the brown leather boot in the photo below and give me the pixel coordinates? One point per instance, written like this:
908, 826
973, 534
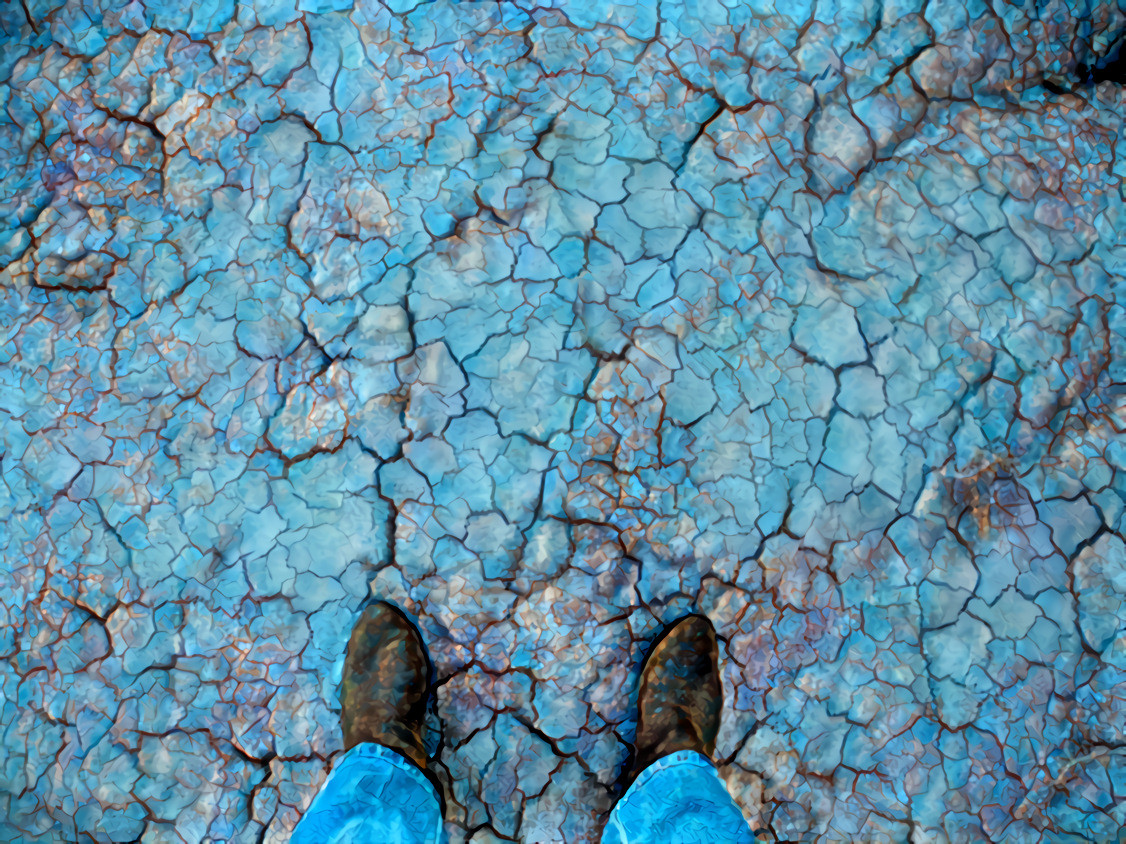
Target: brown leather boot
386, 685
679, 698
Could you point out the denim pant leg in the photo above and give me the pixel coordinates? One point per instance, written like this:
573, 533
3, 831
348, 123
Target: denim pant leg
679, 799
373, 796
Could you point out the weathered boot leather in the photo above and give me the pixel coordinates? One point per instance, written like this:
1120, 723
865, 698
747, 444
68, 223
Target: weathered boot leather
680, 697
386, 684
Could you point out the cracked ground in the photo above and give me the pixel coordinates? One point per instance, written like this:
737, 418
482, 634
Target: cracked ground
551, 323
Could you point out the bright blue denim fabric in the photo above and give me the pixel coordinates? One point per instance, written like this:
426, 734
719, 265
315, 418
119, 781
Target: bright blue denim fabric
679, 799
373, 796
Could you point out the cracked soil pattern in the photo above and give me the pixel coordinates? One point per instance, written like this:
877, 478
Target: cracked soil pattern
552, 323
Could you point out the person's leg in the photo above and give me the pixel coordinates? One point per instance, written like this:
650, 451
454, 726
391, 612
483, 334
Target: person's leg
378, 791
677, 796
373, 796
679, 799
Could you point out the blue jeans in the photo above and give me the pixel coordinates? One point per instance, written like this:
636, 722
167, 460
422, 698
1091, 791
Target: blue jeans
375, 795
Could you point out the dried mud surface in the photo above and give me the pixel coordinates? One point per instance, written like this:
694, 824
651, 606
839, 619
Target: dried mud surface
552, 323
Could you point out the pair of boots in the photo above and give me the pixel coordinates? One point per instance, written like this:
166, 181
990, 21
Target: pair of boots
388, 678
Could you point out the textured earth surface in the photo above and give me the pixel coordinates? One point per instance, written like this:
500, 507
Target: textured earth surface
552, 323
